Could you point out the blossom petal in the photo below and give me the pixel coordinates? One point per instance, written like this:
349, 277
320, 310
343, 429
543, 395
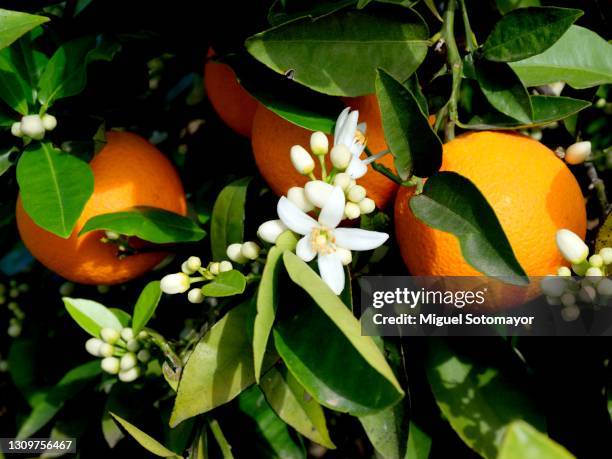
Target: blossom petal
356, 169
359, 239
347, 134
332, 272
333, 210
339, 123
363, 126
304, 249
294, 218
357, 149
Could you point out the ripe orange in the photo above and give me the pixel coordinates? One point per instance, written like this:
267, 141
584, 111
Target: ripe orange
532, 192
273, 137
128, 172
233, 104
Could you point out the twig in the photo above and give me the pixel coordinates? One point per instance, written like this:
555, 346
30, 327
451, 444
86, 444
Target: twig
455, 64
600, 188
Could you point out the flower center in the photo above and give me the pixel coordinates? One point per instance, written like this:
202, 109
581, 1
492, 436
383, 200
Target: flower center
323, 240
360, 137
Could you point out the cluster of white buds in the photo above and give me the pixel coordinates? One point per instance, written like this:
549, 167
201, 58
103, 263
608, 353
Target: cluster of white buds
243, 252
9, 296
123, 353
34, 126
587, 284
192, 271
577, 153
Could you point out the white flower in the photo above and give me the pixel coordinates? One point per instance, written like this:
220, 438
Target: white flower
318, 192
351, 135
571, 246
322, 238
128, 361
356, 194
367, 206
340, 156
175, 283
270, 231
92, 345
130, 375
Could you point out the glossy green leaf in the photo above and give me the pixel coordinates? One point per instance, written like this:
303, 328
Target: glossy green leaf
123, 317
267, 298
452, 203
480, 398
227, 225
149, 224
273, 431
226, 448
114, 403
66, 73
302, 275
505, 6
546, 109
414, 145
524, 442
48, 406
339, 53
14, 90
581, 58
91, 316
387, 430
22, 367
146, 305
54, 187
431, 5
225, 284
295, 406
144, 440
220, 367
504, 90
5, 162
14, 24
419, 443
526, 32
282, 11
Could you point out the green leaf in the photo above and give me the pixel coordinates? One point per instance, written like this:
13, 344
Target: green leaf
419, 443
91, 316
480, 398
224, 446
282, 11
54, 187
149, 224
506, 6
524, 442
14, 90
225, 284
301, 274
227, 225
5, 162
123, 317
526, 32
387, 430
504, 90
546, 109
67, 387
274, 432
220, 367
267, 298
604, 235
13, 24
66, 72
581, 58
431, 5
452, 203
146, 305
22, 366
295, 406
339, 53
414, 145
146, 441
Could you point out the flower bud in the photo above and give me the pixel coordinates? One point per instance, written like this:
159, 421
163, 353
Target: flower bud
128, 361
16, 129
143, 334
106, 350
367, 206
556, 87
553, 286
225, 266
14, 330
133, 345
572, 248
606, 255
356, 194
92, 345
129, 375
109, 335
32, 126
175, 283
568, 299
194, 263
49, 122
351, 211
345, 256
250, 250
604, 287
195, 296
301, 160
66, 289
185, 269
143, 356
270, 231
4, 366
127, 334
571, 313
234, 253
110, 365
318, 192
319, 144
578, 152
111, 235
297, 196
564, 271
343, 180
340, 156
587, 294
593, 272
596, 261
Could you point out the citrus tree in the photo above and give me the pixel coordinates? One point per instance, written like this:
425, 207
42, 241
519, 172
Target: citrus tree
192, 194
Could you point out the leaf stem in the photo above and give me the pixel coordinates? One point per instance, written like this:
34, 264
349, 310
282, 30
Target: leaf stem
165, 347
455, 64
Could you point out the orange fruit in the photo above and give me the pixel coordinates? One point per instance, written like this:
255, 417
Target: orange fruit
273, 137
128, 172
234, 105
532, 192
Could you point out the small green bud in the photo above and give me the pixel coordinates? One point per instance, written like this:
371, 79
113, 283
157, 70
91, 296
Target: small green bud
143, 356
596, 261
133, 345
106, 350
109, 335
127, 334
225, 266
564, 271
